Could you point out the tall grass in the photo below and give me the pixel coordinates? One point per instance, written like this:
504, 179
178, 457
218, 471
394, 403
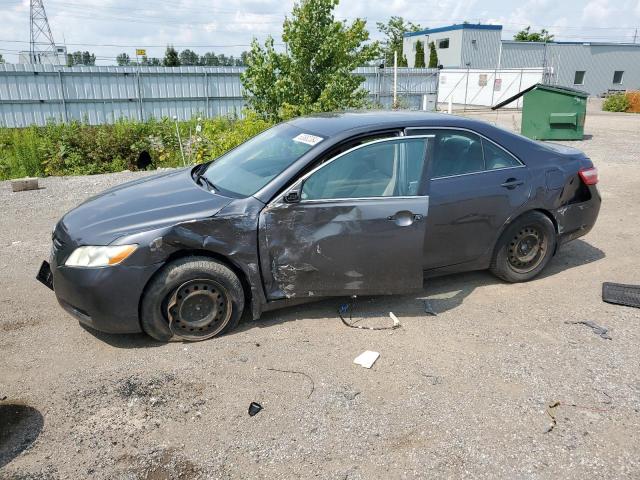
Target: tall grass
20, 153
80, 149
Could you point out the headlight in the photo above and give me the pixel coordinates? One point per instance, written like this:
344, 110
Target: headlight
99, 256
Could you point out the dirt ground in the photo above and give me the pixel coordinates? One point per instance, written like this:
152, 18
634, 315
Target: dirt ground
465, 393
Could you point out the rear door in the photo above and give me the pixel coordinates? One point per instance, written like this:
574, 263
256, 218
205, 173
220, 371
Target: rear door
476, 186
354, 225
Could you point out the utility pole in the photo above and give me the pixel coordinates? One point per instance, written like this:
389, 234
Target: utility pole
41, 40
395, 79
466, 88
635, 35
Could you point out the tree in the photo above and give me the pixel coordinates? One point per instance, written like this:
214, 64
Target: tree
189, 57
80, 58
171, 58
526, 35
433, 55
88, 58
209, 59
394, 31
419, 62
150, 62
1, 59
316, 72
123, 60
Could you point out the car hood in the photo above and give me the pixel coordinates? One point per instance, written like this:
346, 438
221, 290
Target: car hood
144, 204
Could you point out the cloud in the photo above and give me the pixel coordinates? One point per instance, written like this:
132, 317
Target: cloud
598, 12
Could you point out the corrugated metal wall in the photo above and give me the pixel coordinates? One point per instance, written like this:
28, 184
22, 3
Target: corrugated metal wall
480, 48
599, 61
35, 94
522, 55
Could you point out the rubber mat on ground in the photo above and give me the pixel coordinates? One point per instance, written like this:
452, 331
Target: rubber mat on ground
628, 295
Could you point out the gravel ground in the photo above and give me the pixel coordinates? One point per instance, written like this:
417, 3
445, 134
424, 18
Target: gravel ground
463, 394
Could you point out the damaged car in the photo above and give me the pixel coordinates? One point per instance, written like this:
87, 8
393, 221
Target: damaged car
326, 205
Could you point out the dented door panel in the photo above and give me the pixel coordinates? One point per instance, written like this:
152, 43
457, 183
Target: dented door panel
322, 248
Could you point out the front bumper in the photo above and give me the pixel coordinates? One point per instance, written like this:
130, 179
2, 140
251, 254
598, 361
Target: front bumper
105, 299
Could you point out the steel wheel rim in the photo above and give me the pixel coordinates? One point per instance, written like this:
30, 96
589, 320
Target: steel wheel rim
527, 249
198, 309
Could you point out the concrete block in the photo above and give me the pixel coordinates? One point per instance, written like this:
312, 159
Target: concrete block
21, 184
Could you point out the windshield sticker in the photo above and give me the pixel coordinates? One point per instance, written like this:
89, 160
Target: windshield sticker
308, 139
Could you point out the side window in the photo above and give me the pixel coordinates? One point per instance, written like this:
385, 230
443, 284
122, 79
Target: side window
457, 153
495, 157
382, 169
617, 77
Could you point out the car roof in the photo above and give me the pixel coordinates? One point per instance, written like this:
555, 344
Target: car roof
330, 124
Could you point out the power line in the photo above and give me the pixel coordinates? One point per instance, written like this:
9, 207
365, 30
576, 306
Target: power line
163, 18
139, 45
85, 11
139, 7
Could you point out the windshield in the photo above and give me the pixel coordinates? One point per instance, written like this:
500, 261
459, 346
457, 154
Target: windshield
249, 167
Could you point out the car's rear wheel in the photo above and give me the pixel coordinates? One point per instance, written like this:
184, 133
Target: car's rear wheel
192, 298
525, 248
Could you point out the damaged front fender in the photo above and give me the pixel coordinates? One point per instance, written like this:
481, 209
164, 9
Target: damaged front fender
230, 236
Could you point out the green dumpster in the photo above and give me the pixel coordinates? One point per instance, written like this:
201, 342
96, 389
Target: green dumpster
551, 112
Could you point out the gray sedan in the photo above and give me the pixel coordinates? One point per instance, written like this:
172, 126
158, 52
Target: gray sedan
325, 205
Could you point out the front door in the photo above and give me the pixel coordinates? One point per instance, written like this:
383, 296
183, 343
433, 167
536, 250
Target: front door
354, 225
476, 186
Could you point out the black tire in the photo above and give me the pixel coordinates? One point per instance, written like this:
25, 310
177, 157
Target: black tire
182, 273
530, 237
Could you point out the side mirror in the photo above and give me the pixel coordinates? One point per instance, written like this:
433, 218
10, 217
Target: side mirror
292, 196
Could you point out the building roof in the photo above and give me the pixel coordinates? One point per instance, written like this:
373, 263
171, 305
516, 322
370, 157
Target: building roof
460, 26
587, 43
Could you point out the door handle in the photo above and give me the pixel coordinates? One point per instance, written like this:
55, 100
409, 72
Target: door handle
512, 183
415, 216
405, 218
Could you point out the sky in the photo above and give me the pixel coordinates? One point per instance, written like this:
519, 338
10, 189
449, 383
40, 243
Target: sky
109, 27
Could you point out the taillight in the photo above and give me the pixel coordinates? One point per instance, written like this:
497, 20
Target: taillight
589, 176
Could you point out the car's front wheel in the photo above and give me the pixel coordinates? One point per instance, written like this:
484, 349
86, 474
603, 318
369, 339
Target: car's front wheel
192, 298
524, 248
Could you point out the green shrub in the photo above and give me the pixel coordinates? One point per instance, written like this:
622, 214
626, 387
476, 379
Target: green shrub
80, 149
618, 102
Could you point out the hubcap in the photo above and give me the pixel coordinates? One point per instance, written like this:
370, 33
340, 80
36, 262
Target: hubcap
198, 309
527, 249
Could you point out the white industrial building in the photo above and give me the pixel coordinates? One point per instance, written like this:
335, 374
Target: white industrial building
596, 68
56, 57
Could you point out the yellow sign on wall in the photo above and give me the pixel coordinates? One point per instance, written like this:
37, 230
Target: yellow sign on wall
141, 52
